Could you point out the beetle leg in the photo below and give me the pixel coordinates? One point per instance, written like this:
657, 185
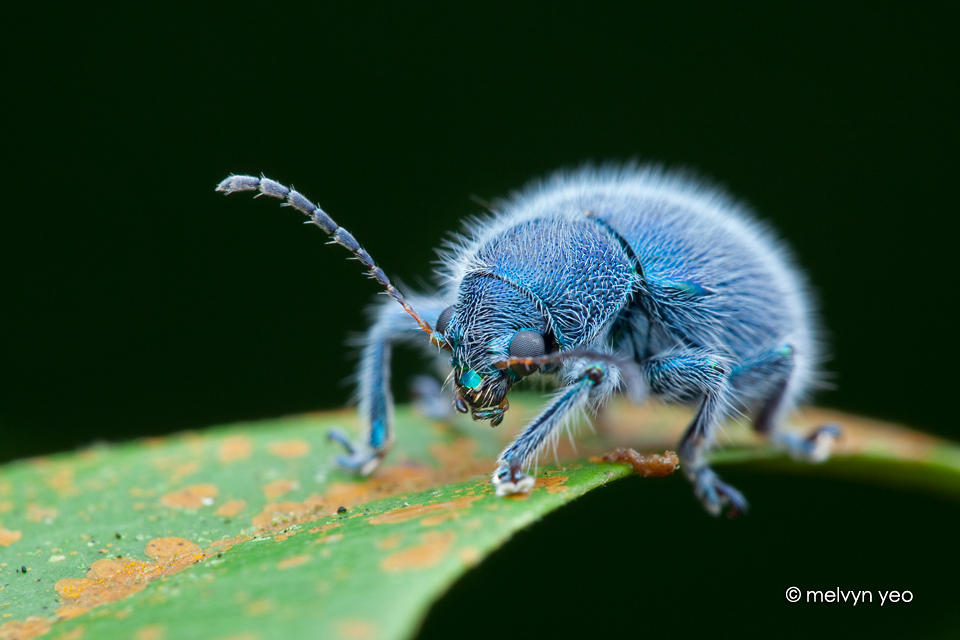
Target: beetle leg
692, 374
373, 388
778, 365
594, 381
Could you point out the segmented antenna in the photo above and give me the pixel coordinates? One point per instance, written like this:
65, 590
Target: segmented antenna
293, 198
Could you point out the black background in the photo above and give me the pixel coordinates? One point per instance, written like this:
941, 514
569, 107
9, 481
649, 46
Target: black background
138, 301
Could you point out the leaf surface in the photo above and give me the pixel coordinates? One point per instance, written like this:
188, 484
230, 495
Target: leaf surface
249, 531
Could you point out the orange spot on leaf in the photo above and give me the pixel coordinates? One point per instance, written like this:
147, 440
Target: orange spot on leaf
74, 634
431, 550
192, 497
356, 630
226, 544
174, 552
231, 508
235, 448
32, 627
181, 471
469, 555
293, 561
553, 484
151, 632
390, 542
324, 528
290, 448
280, 537
8, 537
277, 488
112, 579
258, 607
285, 513
62, 482
336, 537
418, 510
38, 513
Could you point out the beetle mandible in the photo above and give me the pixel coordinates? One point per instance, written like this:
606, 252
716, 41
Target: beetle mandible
606, 278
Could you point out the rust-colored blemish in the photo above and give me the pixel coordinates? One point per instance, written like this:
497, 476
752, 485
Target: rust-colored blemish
112, 579
390, 542
62, 482
6, 506
76, 633
177, 553
39, 513
431, 550
231, 508
258, 607
418, 510
8, 536
553, 484
226, 544
289, 448
389, 481
649, 466
469, 555
32, 627
192, 497
151, 632
330, 539
356, 630
181, 471
324, 528
235, 448
286, 513
280, 537
439, 518
293, 561
280, 487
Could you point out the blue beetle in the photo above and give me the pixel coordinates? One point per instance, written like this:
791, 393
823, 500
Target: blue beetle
628, 277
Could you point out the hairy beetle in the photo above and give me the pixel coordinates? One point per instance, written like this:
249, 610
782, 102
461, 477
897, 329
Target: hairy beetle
607, 278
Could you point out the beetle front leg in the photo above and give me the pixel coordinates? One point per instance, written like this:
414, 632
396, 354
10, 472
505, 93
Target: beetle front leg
595, 381
373, 389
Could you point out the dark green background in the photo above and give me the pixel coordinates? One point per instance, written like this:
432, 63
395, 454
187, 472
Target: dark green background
138, 301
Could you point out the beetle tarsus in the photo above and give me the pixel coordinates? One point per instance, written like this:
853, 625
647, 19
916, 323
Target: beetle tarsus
815, 447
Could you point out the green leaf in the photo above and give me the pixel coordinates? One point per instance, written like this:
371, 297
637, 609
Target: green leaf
237, 531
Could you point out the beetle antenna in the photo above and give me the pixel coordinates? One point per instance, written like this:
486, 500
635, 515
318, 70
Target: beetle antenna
338, 235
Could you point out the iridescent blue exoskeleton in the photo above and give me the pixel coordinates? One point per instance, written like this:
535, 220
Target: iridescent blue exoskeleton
618, 278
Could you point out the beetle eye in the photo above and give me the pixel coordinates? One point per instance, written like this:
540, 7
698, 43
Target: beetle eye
526, 344
444, 320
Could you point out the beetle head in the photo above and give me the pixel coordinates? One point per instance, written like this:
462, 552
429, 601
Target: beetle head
490, 321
